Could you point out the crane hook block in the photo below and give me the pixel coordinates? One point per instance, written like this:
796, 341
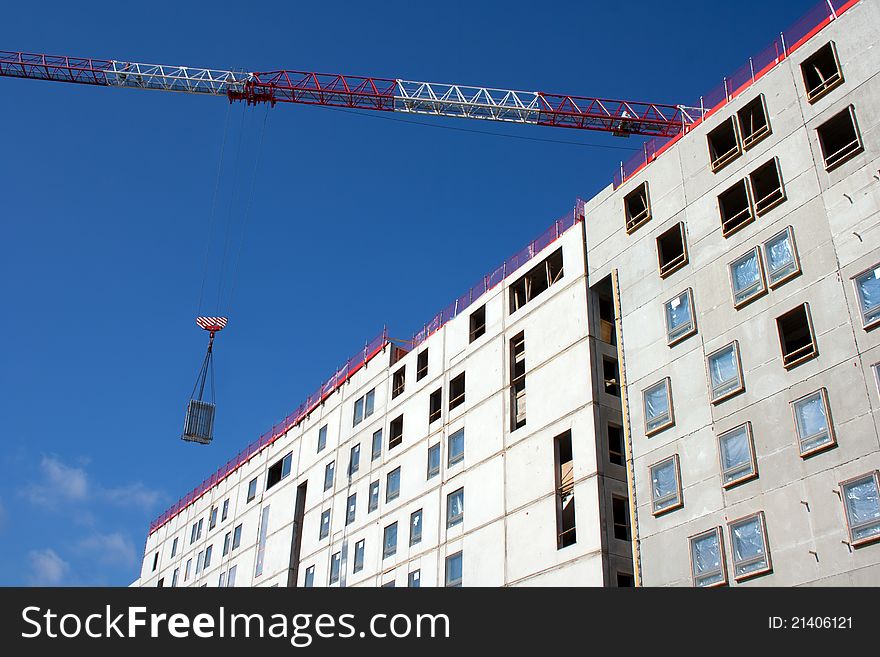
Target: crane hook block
198, 427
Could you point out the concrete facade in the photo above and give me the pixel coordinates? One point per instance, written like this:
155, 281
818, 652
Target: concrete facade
508, 535
609, 304
835, 221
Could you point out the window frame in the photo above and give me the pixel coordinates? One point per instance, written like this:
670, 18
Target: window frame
435, 412
354, 459
398, 382
376, 454
395, 439
458, 457
422, 367
722, 160
373, 500
748, 141
433, 472
740, 377
726, 229
760, 291
678, 499
841, 156
477, 330
787, 362
768, 567
456, 583
329, 475
322, 438
633, 223
856, 543
458, 400
753, 459
775, 197
358, 557
692, 330
351, 509
386, 550
322, 524
415, 537
391, 495
826, 86
773, 284
867, 324
252, 490
829, 428
454, 519
335, 567
670, 422
722, 570
666, 269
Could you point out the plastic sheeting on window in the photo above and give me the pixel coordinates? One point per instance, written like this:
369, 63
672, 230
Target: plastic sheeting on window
735, 451
656, 402
869, 290
748, 544
665, 486
811, 417
724, 370
678, 312
706, 554
456, 505
780, 255
745, 272
863, 507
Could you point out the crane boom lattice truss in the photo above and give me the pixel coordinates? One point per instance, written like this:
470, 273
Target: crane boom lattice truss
365, 93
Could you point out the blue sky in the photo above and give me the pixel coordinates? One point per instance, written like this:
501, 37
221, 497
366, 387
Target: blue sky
356, 223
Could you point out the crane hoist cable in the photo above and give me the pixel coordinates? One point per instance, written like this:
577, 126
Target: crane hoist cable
201, 408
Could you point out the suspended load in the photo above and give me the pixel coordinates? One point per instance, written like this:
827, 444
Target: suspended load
198, 427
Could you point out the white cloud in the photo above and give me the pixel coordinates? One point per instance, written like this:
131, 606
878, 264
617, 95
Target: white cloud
110, 548
60, 483
47, 568
134, 494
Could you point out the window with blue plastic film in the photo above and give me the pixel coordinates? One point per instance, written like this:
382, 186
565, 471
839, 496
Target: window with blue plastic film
747, 278
679, 313
868, 291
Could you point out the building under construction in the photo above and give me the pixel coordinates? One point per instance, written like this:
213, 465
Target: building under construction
676, 384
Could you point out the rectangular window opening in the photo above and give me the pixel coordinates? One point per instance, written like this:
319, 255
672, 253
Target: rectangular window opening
753, 122
767, 188
657, 406
725, 372
839, 138
737, 452
821, 72
672, 252
566, 529
724, 146
456, 391
665, 486
735, 207
398, 382
478, 323
637, 207
422, 365
796, 336
747, 278
538, 279
679, 314
868, 293
616, 454
611, 376
707, 558
812, 418
433, 460
395, 432
435, 405
748, 543
279, 470
781, 258
620, 518
861, 501
517, 382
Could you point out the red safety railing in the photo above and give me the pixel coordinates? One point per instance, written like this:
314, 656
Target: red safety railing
744, 77
493, 278
343, 374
